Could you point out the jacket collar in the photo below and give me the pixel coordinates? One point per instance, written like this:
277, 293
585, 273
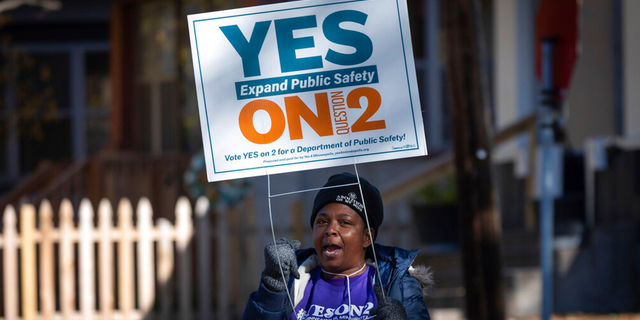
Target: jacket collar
393, 262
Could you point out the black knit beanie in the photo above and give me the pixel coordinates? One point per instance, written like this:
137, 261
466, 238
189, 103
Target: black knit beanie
350, 196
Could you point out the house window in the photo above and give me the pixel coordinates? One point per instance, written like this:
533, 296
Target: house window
157, 77
42, 108
98, 100
54, 99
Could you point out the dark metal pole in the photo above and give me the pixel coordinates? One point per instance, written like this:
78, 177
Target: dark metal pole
548, 181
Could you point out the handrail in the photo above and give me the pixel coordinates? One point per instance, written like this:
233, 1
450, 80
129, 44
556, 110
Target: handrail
45, 171
429, 171
524, 125
49, 180
66, 176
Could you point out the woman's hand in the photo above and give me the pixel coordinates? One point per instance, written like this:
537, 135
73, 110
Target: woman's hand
286, 250
388, 308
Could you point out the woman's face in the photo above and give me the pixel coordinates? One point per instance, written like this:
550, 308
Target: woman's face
340, 238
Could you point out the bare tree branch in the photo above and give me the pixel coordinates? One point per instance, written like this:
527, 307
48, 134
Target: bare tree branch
47, 5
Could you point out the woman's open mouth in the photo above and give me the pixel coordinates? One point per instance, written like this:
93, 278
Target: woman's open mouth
331, 250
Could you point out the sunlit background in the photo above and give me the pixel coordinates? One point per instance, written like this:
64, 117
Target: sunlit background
98, 101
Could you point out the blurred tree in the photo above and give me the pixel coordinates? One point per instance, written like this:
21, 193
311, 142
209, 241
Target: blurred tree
47, 5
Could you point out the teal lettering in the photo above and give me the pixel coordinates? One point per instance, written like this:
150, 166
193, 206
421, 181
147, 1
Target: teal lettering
248, 50
360, 41
287, 44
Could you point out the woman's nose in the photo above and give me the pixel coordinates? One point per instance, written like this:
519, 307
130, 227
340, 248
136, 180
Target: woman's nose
332, 228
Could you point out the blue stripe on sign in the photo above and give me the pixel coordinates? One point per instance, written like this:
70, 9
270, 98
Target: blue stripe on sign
306, 82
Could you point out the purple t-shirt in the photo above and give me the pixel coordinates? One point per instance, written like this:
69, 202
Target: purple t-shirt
328, 299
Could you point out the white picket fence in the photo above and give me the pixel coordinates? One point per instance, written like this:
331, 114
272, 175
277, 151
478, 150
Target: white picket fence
30, 290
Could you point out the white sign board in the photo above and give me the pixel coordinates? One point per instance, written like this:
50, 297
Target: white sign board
304, 85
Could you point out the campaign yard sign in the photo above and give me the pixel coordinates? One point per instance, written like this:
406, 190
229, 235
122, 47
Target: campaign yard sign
304, 85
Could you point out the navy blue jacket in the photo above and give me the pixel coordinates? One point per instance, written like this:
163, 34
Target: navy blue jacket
397, 282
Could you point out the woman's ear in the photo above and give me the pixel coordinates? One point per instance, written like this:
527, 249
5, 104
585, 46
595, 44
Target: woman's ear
369, 235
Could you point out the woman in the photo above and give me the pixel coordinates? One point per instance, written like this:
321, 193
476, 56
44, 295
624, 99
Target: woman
336, 279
